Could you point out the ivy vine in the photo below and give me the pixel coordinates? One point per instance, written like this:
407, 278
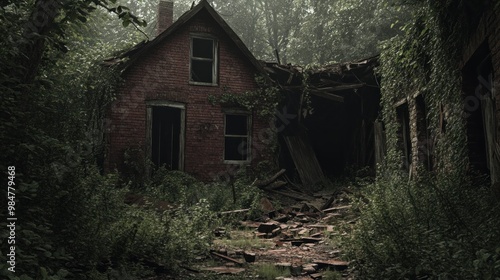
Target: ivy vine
425, 61
263, 101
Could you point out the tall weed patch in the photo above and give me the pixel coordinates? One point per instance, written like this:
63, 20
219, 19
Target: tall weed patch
432, 228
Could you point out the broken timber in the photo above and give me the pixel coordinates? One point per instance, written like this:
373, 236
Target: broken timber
263, 183
305, 160
226, 258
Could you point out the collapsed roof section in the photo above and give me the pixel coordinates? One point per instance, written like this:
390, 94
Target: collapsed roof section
335, 127
325, 81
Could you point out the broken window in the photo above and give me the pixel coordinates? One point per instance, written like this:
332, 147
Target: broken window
203, 60
236, 137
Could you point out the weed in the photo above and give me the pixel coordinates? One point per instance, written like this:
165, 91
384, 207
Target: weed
270, 271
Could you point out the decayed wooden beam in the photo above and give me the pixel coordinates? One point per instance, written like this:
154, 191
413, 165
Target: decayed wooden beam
341, 87
291, 195
329, 96
266, 182
276, 185
235, 211
227, 258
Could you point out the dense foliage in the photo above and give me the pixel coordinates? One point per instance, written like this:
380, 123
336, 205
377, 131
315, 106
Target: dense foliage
302, 31
442, 224
72, 222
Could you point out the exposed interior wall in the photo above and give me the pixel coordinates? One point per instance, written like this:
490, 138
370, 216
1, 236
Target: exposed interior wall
342, 133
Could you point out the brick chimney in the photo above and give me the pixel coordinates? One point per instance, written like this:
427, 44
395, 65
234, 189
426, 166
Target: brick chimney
165, 15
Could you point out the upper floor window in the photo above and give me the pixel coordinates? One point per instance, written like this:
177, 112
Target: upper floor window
203, 64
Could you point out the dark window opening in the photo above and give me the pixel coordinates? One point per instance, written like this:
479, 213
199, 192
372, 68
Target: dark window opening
236, 137
404, 140
166, 135
203, 60
425, 144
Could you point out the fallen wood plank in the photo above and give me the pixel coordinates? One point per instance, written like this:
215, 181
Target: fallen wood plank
235, 211
316, 275
266, 182
305, 160
337, 208
302, 240
329, 202
275, 185
227, 258
291, 195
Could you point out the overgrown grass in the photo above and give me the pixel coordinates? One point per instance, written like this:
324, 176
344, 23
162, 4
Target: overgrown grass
270, 271
180, 188
433, 228
241, 239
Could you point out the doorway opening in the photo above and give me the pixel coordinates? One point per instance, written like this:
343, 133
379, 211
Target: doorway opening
477, 86
166, 131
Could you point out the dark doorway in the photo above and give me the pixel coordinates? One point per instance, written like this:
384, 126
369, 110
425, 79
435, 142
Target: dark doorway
166, 137
477, 86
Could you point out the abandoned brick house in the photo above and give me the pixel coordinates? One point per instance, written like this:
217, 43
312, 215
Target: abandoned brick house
163, 108
480, 68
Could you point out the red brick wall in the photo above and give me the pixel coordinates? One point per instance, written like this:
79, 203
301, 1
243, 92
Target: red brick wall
163, 74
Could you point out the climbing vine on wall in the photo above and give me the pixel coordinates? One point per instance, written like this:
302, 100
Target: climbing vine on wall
426, 61
263, 101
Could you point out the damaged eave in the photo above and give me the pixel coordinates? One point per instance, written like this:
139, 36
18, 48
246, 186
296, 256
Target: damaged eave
326, 81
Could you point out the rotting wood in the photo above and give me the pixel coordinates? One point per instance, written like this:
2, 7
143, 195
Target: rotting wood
329, 202
291, 195
316, 275
333, 209
327, 95
226, 258
302, 240
305, 160
266, 182
275, 185
235, 211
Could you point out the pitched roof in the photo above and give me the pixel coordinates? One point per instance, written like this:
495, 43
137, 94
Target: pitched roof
129, 57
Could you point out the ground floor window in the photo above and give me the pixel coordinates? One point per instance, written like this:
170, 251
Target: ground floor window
237, 137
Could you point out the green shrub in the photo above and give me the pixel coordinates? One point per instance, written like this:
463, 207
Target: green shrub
437, 228
182, 189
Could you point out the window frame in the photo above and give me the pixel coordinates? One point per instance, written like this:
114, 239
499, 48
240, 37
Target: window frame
248, 136
214, 60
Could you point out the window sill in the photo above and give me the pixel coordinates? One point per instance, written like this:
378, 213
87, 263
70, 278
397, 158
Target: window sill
238, 162
203, 84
